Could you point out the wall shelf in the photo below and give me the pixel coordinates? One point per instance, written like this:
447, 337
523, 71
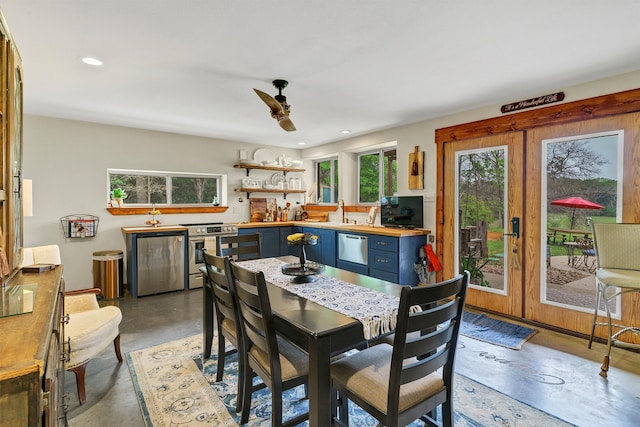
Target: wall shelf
282, 169
167, 210
264, 190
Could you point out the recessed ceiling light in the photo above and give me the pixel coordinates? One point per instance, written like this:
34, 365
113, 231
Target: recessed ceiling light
92, 61
302, 143
345, 131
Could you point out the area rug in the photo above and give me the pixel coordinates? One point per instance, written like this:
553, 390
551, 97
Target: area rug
175, 387
494, 331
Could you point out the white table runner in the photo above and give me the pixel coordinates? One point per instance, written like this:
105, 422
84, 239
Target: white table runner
375, 310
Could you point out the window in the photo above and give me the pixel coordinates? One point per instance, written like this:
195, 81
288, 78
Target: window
169, 188
327, 179
377, 175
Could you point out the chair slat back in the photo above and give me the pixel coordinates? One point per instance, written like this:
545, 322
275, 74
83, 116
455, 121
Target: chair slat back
617, 245
426, 340
241, 247
256, 316
223, 291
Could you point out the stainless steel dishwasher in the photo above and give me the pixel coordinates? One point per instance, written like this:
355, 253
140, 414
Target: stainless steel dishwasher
353, 248
161, 262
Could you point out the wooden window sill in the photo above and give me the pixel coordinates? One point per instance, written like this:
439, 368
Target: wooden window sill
334, 208
168, 210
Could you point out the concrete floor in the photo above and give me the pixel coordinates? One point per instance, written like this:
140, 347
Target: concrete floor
553, 371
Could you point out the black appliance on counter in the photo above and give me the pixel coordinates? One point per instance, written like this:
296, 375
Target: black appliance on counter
401, 211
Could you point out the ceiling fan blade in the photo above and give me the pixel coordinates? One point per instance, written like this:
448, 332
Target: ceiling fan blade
287, 124
274, 106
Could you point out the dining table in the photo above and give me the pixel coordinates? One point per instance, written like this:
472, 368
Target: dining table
555, 232
320, 331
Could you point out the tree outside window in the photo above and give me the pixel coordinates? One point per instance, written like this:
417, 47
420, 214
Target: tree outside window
377, 175
327, 180
166, 188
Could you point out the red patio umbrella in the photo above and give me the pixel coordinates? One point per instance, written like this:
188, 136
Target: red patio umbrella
576, 203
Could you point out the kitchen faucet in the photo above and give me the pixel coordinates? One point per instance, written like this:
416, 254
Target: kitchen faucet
341, 204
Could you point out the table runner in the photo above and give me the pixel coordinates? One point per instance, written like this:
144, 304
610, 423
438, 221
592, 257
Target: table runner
376, 311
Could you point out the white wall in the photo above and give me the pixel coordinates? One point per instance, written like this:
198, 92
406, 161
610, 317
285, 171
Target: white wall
422, 134
67, 161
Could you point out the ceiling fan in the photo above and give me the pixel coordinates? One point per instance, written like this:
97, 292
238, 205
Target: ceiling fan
278, 105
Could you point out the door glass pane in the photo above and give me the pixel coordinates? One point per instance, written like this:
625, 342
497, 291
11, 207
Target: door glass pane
480, 196
582, 184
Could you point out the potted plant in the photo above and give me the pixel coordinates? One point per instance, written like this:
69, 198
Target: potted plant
117, 196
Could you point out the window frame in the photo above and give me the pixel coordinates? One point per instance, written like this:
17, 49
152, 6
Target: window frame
335, 191
381, 159
221, 186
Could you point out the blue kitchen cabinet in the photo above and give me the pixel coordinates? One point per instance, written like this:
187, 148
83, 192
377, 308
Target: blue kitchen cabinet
269, 239
325, 251
285, 247
393, 258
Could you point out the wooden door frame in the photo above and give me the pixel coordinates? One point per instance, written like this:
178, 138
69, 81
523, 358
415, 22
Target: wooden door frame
513, 143
601, 106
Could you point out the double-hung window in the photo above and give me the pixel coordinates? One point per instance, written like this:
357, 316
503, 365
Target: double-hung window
327, 180
377, 175
169, 188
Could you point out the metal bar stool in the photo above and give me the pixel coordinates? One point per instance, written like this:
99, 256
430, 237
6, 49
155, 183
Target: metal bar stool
618, 253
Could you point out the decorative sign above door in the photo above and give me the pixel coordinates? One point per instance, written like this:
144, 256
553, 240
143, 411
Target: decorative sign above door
533, 102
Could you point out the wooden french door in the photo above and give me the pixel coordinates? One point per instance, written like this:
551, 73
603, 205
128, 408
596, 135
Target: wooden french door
605, 149
483, 181
489, 181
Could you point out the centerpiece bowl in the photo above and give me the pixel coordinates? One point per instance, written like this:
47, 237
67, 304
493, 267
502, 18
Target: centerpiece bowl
303, 271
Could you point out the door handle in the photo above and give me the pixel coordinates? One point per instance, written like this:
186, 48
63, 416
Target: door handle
515, 228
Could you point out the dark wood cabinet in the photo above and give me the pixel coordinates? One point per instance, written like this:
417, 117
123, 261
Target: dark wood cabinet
32, 356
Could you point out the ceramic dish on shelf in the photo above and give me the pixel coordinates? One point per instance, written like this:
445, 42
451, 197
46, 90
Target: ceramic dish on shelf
264, 155
249, 162
268, 186
295, 163
277, 178
269, 163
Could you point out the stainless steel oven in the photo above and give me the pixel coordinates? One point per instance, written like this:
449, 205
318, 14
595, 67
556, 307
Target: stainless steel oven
203, 236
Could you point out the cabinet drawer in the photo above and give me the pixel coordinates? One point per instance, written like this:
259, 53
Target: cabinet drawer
351, 266
381, 260
383, 243
384, 275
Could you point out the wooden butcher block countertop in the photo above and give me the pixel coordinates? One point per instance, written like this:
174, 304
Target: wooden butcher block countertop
150, 229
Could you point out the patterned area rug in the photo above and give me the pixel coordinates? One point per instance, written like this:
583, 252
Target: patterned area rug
494, 331
176, 387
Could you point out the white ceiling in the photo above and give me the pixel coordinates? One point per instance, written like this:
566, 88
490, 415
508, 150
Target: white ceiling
189, 66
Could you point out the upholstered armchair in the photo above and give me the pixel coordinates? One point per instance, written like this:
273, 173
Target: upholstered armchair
90, 328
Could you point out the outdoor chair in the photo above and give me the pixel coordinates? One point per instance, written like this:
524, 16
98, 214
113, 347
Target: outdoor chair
587, 257
90, 328
618, 273
400, 383
279, 363
241, 247
219, 297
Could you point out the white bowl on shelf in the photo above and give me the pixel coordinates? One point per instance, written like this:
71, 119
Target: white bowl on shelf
295, 163
269, 163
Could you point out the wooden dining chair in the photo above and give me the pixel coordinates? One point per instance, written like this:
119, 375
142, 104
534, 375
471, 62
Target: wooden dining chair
400, 383
280, 364
241, 247
220, 299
